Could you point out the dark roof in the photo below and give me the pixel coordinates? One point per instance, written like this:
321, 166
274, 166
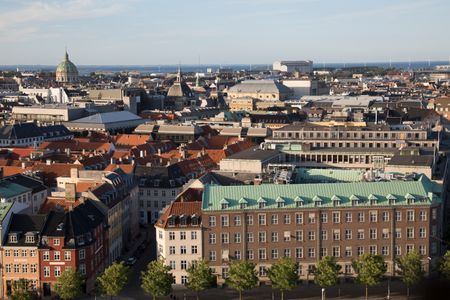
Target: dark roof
255, 154
23, 180
279, 118
77, 222
20, 131
21, 224
411, 160
55, 131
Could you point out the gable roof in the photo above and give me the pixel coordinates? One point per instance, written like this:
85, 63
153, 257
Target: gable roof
421, 189
109, 117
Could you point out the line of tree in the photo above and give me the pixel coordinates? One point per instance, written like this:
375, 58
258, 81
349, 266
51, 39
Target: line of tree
157, 279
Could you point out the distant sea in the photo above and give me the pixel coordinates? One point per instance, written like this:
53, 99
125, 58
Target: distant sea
148, 69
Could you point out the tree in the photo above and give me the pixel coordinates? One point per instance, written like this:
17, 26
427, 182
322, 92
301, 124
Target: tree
444, 266
21, 290
369, 269
69, 284
200, 276
410, 266
242, 276
157, 279
327, 272
283, 275
113, 279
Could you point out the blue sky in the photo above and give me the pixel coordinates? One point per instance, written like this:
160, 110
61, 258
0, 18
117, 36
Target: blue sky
148, 32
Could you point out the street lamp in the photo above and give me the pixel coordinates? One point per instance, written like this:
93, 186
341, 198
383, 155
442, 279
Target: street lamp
323, 293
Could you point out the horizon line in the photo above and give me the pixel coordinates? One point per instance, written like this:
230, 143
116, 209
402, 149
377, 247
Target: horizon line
234, 64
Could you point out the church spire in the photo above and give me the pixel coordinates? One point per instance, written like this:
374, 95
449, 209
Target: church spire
179, 74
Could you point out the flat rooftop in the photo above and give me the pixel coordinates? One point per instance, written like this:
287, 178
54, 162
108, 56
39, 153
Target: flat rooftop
254, 153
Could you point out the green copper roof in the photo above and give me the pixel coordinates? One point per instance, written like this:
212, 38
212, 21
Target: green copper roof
4, 209
422, 190
67, 66
9, 189
327, 175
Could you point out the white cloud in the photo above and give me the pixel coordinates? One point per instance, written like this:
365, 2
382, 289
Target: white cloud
28, 17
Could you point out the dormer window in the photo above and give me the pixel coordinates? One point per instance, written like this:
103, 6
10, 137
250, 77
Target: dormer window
171, 221
29, 238
224, 203
336, 200
80, 240
410, 198
13, 238
354, 199
261, 202
299, 201
243, 203
183, 220
373, 199
194, 220
391, 198
280, 202
317, 201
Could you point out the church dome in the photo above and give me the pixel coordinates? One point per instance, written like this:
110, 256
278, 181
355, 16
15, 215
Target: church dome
66, 71
179, 88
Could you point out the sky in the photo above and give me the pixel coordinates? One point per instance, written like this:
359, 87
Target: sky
158, 32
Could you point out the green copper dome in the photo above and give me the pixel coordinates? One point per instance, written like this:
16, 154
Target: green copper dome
66, 72
67, 66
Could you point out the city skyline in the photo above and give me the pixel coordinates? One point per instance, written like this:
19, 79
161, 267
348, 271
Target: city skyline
136, 32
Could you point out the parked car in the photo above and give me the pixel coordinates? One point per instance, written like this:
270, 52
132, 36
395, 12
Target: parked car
130, 261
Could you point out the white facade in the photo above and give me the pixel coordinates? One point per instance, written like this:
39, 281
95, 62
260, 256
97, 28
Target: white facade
302, 66
302, 87
179, 247
51, 95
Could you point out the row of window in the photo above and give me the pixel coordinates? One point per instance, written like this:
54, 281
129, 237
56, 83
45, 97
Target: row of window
57, 255
263, 253
183, 250
21, 268
182, 235
156, 193
149, 204
335, 234
373, 216
355, 135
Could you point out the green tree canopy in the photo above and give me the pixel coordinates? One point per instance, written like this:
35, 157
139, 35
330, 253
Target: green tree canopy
113, 279
327, 272
444, 266
21, 290
369, 269
410, 266
200, 276
157, 279
69, 284
283, 275
242, 276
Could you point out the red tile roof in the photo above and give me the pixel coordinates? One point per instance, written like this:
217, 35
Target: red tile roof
180, 208
129, 169
131, 140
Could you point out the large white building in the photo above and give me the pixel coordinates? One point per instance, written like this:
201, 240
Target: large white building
302, 66
179, 237
307, 87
